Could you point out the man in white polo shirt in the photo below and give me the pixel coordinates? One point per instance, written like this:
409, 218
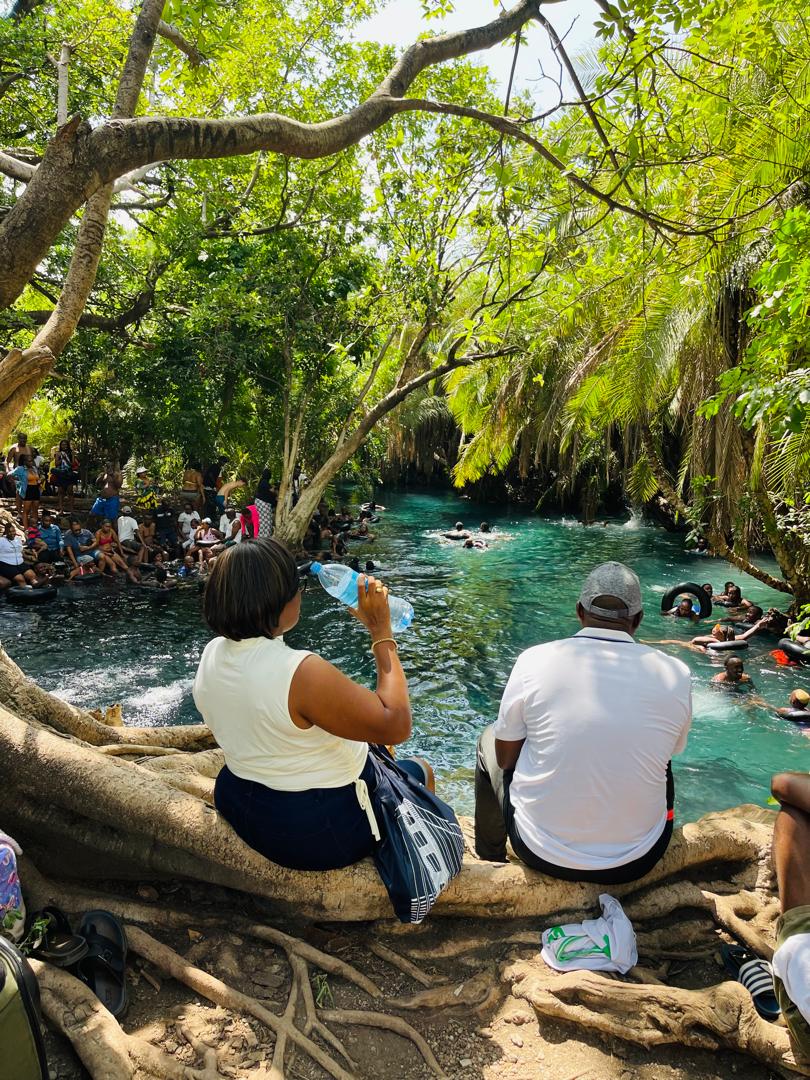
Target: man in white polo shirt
576, 769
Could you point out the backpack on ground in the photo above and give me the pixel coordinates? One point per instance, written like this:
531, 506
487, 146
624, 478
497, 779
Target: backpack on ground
22, 1051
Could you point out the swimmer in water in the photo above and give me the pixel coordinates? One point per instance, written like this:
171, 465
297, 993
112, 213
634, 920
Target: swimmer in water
734, 674
479, 545
485, 527
798, 701
703, 641
458, 532
683, 610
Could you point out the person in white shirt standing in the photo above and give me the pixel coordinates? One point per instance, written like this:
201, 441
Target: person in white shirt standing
576, 770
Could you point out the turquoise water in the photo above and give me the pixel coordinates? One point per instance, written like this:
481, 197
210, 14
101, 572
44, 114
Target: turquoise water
475, 611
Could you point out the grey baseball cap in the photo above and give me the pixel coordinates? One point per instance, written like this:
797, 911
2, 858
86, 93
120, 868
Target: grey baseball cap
612, 579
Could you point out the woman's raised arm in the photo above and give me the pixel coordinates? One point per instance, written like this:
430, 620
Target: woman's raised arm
322, 696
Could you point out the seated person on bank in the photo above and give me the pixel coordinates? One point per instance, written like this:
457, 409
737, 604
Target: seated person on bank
791, 860
50, 535
293, 729
80, 549
129, 534
13, 568
576, 770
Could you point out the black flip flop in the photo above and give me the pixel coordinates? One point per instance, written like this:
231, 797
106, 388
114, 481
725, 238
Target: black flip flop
103, 969
57, 944
755, 975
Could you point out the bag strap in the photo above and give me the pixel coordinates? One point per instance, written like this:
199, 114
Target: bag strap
362, 793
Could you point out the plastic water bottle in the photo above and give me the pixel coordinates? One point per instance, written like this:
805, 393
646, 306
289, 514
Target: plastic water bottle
341, 582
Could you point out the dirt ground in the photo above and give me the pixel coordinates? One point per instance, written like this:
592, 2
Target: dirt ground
476, 1030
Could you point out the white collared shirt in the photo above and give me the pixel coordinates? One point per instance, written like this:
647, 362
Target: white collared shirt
11, 551
601, 716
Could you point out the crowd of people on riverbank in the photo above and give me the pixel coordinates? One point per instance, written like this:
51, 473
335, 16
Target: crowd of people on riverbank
147, 536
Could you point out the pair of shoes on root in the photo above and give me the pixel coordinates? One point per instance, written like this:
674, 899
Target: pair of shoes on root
96, 953
755, 975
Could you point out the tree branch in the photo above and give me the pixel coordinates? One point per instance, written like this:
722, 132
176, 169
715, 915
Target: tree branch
62, 66
562, 52
172, 34
509, 127
81, 274
16, 169
85, 158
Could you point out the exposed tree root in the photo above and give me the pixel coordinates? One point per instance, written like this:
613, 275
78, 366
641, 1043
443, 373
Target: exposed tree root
389, 1023
90, 800
312, 1023
105, 1050
721, 1017
171, 963
404, 964
469, 992
28, 701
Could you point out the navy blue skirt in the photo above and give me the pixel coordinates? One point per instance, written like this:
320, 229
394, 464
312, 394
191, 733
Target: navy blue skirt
317, 829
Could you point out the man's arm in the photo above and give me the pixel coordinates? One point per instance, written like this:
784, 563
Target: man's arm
507, 753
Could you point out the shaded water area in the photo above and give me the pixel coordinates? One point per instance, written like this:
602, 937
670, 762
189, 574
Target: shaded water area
475, 611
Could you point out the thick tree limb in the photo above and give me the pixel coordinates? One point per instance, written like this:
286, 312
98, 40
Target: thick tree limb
16, 169
81, 274
80, 160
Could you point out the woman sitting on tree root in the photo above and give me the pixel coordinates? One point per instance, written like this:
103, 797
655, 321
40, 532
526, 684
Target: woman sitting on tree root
294, 730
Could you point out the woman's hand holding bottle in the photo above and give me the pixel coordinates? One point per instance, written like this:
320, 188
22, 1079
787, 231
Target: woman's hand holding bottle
373, 609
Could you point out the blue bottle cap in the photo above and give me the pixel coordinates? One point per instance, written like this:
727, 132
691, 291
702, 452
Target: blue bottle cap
315, 567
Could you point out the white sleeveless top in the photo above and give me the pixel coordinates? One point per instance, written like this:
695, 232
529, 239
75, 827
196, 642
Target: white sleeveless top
242, 690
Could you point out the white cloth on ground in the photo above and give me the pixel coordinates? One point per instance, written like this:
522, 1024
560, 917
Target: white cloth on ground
604, 944
791, 964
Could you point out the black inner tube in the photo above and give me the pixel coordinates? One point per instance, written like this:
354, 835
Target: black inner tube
691, 589
798, 716
795, 650
715, 646
18, 595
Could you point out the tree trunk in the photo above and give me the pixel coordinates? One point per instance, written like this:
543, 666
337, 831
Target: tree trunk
81, 275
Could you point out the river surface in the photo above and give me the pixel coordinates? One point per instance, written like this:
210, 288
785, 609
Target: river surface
474, 612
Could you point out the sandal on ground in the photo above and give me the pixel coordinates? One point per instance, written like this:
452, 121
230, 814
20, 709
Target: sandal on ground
57, 944
755, 975
103, 969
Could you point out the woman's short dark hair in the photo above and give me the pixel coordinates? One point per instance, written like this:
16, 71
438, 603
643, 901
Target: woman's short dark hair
248, 588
